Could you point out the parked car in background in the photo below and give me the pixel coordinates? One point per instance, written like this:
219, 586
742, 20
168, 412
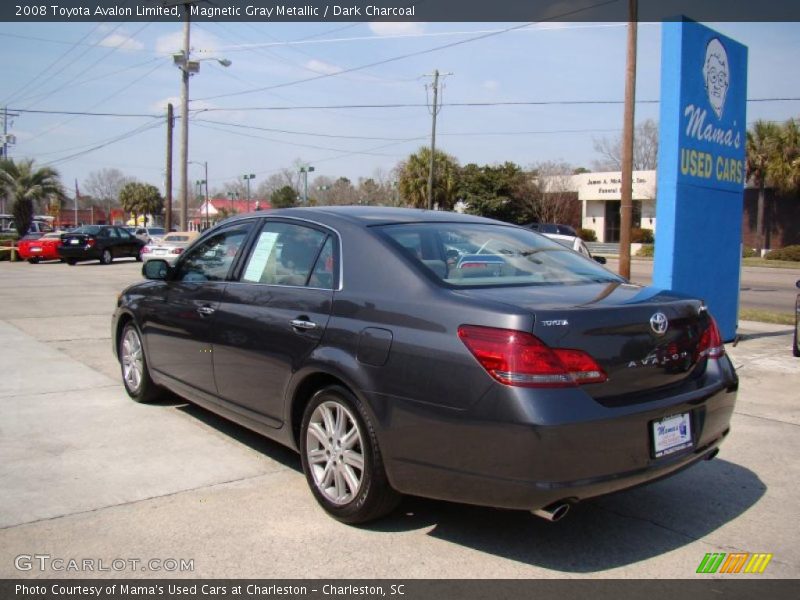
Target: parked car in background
558, 228
575, 243
796, 345
38, 226
148, 234
532, 380
35, 247
170, 247
99, 242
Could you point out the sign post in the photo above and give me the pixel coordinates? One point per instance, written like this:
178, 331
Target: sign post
701, 168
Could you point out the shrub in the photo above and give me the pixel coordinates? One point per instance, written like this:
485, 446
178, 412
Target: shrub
646, 250
642, 236
786, 253
749, 252
587, 235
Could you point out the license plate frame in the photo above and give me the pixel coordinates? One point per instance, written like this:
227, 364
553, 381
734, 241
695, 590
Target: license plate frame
671, 434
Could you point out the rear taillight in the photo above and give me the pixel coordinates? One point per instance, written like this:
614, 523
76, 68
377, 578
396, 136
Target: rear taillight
177, 250
146, 250
90, 242
521, 359
710, 345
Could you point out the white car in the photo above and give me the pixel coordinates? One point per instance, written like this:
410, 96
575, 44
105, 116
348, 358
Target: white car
575, 243
170, 247
148, 234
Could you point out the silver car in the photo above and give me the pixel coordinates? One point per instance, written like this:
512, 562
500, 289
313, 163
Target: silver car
170, 247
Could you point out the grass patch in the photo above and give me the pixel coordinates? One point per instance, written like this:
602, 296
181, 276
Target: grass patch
762, 262
766, 316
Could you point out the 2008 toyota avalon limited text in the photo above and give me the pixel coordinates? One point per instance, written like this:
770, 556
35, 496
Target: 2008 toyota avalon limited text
429, 353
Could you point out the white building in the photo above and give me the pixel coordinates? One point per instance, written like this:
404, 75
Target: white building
600, 197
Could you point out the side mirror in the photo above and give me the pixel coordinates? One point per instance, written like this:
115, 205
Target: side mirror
600, 259
156, 269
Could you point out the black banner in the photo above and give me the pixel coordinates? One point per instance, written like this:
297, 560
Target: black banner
744, 587
396, 10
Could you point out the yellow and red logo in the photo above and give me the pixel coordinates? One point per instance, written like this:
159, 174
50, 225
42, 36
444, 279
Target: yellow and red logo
736, 562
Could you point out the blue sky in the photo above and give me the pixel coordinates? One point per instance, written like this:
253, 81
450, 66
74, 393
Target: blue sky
127, 68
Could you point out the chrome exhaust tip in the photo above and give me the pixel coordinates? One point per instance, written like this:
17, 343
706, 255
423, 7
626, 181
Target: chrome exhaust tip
553, 512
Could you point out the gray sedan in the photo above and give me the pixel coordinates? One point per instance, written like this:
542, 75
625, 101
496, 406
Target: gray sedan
170, 247
523, 376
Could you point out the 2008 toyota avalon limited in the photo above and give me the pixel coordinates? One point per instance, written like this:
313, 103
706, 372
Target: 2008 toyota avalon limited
430, 353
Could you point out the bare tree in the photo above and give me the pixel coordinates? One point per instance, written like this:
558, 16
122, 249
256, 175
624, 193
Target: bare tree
553, 200
645, 149
105, 185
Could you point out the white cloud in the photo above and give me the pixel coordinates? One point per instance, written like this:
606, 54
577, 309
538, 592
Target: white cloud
201, 42
121, 41
404, 28
491, 85
319, 66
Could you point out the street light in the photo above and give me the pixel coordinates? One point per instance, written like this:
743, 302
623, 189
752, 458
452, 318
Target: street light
247, 178
305, 170
188, 67
203, 164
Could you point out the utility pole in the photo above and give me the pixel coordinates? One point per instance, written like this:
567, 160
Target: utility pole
434, 111
626, 204
184, 168
435, 108
168, 179
7, 139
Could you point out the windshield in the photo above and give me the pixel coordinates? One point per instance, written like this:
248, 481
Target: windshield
90, 229
461, 254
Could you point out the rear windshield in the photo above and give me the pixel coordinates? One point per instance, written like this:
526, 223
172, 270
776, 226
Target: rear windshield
478, 255
156, 231
176, 238
90, 229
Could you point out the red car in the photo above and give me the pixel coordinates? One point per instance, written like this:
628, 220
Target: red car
36, 247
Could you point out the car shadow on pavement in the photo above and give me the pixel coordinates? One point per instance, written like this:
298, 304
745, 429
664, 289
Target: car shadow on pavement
599, 534
744, 337
251, 439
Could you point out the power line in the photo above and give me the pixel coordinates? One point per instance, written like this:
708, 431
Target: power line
84, 113
309, 133
404, 56
133, 132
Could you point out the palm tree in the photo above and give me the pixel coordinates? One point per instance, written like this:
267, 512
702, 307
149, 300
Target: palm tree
413, 177
786, 166
762, 149
26, 185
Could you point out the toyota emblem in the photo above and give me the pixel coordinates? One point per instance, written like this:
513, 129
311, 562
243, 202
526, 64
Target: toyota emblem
659, 323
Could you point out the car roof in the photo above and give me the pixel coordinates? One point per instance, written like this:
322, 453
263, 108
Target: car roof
368, 216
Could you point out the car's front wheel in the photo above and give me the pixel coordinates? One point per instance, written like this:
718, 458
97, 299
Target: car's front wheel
341, 458
135, 374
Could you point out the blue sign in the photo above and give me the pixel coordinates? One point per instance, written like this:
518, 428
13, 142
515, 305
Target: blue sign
701, 167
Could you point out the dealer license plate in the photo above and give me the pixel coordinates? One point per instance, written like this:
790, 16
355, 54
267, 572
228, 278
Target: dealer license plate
74, 242
672, 434
36, 249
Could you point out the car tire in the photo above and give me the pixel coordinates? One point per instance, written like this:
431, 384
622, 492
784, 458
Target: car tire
71, 262
796, 344
33, 261
133, 363
139, 254
341, 458
106, 258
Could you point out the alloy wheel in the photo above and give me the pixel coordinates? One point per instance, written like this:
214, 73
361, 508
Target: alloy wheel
335, 452
132, 360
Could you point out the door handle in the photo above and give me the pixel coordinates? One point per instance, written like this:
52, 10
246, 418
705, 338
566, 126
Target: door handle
206, 311
303, 324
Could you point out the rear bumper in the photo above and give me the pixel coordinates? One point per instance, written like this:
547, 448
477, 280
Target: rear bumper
540, 455
79, 253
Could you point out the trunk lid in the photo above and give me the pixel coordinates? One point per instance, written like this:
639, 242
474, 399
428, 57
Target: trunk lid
75, 240
645, 339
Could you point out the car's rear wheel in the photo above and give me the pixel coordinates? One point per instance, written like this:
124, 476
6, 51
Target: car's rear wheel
796, 345
106, 257
135, 374
71, 262
33, 261
341, 458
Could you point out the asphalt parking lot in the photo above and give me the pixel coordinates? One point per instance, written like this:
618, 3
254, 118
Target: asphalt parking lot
88, 474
